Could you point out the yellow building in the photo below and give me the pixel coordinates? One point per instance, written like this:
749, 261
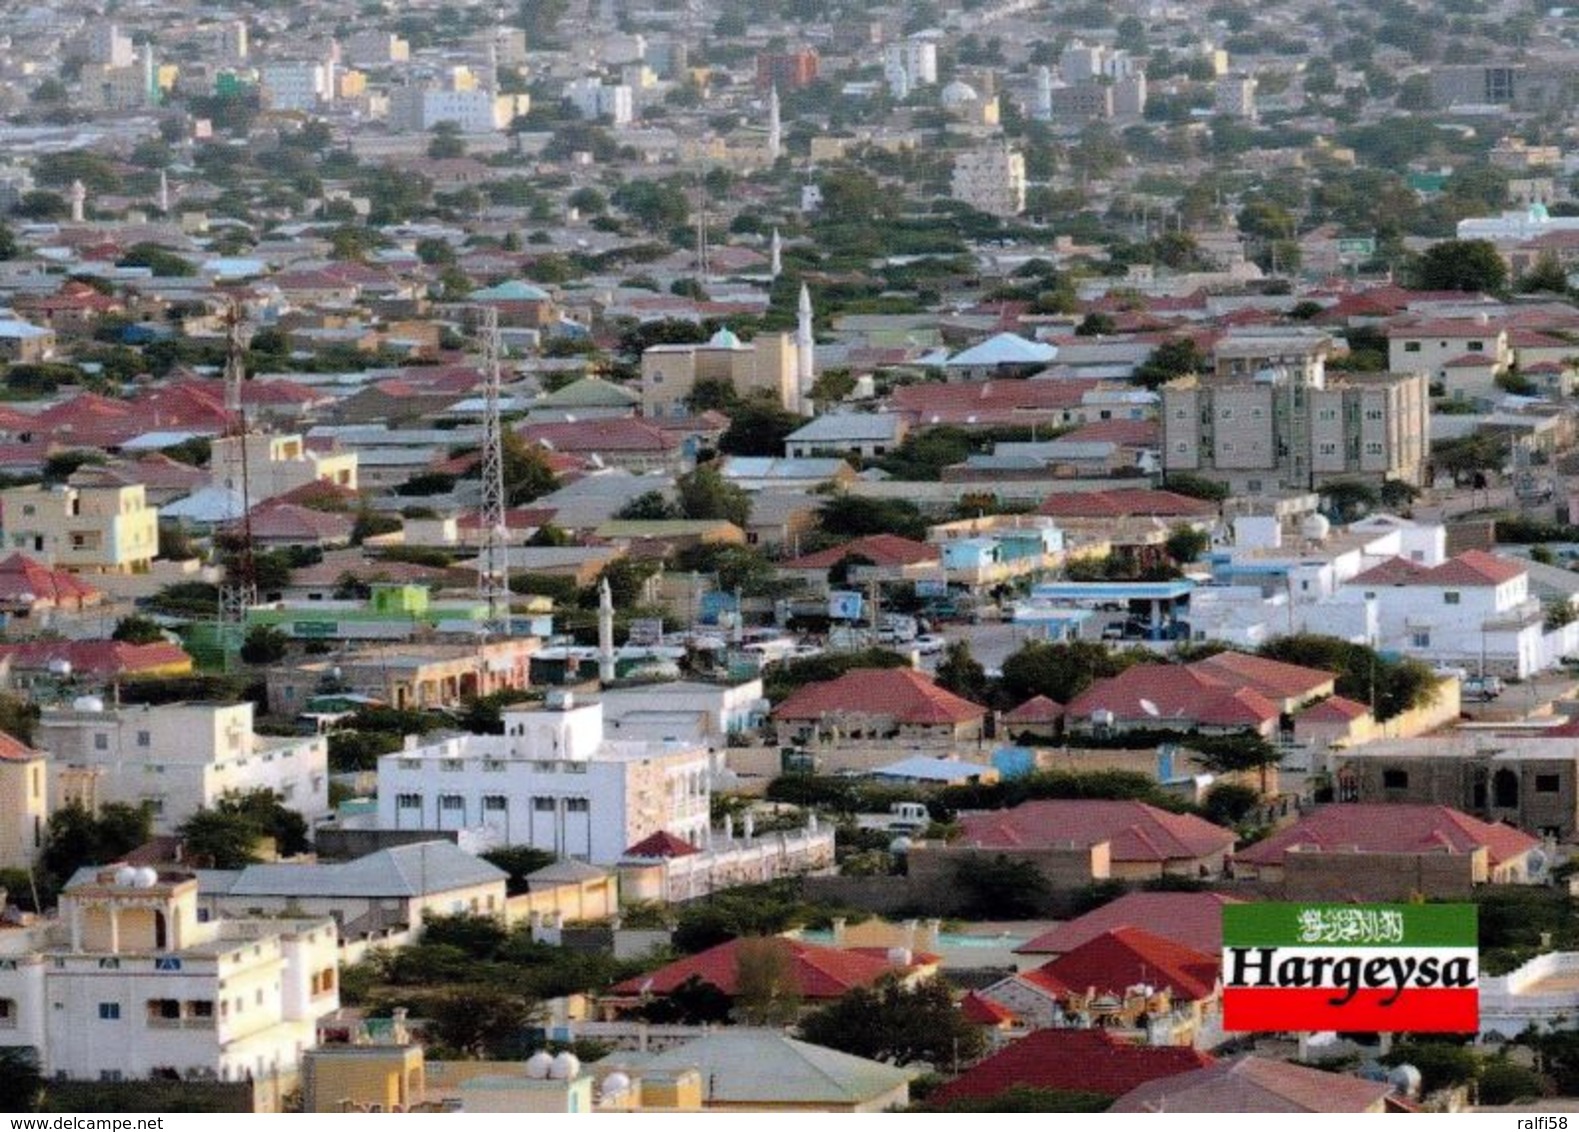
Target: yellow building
24, 803
367, 1078
105, 529
669, 373
395, 1077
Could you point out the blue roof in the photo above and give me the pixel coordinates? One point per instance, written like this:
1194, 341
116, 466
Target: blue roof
1005, 349
1117, 591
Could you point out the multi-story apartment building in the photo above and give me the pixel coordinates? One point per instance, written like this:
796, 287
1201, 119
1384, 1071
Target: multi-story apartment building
1288, 426
475, 111
296, 86
550, 781
594, 98
178, 758
991, 179
128, 982
787, 70
95, 529
276, 464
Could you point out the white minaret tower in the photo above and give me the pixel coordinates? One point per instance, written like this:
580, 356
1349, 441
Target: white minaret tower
605, 632
775, 128
150, 77
776, 267
79, 198
805, 349
164, 191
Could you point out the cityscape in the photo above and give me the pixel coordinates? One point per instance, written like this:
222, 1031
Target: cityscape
586, 556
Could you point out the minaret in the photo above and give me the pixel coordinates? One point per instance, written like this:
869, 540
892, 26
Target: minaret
164, 191
150, 77
775, 128
79, 198
776, 267
605, 633
805, 348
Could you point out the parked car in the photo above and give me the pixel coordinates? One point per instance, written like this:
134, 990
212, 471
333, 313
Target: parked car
1482, 688
929, 644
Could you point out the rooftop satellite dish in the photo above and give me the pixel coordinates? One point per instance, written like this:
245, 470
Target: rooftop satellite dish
1150, 708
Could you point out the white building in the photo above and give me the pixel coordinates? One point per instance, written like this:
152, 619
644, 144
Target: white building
593, 98
991, 179
130, 980
916, 57
106, 43
551, 781
298, 87
684, 711
276, 464
1473, 611
178, 758
1235, 96
418, 109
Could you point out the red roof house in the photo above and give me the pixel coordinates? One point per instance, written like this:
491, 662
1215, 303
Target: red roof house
662, 845
28, 587
884, 551
1142, 840
818, 973
1123, 503
1260, 1085
1083, 1061
877, 703
1193, 919
1171, 696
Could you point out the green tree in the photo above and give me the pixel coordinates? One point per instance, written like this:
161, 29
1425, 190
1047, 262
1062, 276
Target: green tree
220, 840
1228, 803
76, 837
1186, 544
264, 644
757, 427
479, 1020
1059, 670
21, 1079
649, 506
961, 673
159, 260
446, 141
8, 244
766, 993
1001, 888
1198, 487
897, 1024
527, 475
852, 516
705, 494
1461, 265
435, 251
1176, 357
138, 630
1349, 500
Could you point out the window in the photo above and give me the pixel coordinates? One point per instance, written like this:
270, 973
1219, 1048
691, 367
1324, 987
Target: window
408, 801
1476, 347
163, 1010
1395, 780
577, 806
7, 1013
109, 1012
1420, 640
1373, 449
1329, 449
1411, 347
1450, 597
144, 739
543, 805
451, 802
109, 963
452, 765
494, 803
1547, 784
101, 742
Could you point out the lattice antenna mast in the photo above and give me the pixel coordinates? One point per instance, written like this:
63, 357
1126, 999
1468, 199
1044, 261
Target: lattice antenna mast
493, 583
239, 589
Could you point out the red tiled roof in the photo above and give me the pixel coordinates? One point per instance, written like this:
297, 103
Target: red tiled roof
606, 434
883, 550
990, 402
1121, 502
1389, 828
1086, 1061
983, 1011
277, 520
1193, 919
1471, 568
1135, 831
13, 750
1333, 709
661, 844
1125, 957
96, 659
1444, 328
1258, 1085
1173, 695
816, 972
21, 575
1037, 709
1272, 678
904, 694
1115, 432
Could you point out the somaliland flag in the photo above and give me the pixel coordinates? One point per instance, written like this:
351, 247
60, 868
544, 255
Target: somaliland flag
1393, 968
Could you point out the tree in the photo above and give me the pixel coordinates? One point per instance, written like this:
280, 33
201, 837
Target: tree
527, 475
138, 630
21, 1079
1349, 500
446, 141
897, 1024
1228, 803
649, 506
1176, 357
692, 1003
264, 644
1391, 685
961, 673
159, 260
766, 993
222, 841
1198, 487
433, 251
1186, 544
757, 427
1461, 265
852, 516
8, 244
1001, 888
479, 1020
1059, 670
705, 494
76, 837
